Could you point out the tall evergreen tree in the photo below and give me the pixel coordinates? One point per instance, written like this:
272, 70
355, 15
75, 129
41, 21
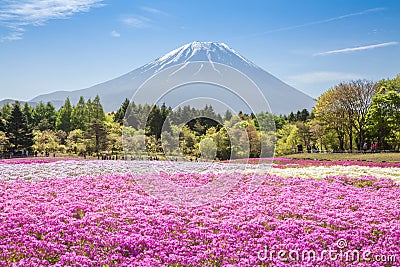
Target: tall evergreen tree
44, 116
18, 131
98, 112
51, 115
89, 111
120, 114
6, 111
154, 123
79, 115
97, 132
164, 111
28, 113
64, 117
228, 115
2, 127
129, 117
39, 114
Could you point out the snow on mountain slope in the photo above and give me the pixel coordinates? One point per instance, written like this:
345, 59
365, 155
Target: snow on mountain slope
200, 51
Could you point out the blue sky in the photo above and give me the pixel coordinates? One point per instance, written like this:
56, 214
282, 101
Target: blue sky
311, 44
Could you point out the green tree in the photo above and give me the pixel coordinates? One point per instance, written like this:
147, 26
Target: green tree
355, 98
6, 111
154, 123
114, 135
164, 112
287, 139
384, 114
62, 137
76, 142
97, 133
304, 133
28, 113
332, 115
153, 145
120, 114
133, 141
18, 131
89, 112
254, 140
208, 148
303, 115
266, 121
44, 116
2, 126
97, 110
222, 141
46, 141
64, 118
227, 115
4, 144
79, 115
187, 141
129, 117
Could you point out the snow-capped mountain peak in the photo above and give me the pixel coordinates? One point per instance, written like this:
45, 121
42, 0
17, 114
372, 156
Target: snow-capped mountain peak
213, 52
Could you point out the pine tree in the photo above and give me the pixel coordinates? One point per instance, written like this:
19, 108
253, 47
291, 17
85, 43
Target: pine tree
44, 116
98, 112
39, 114
89, 111
166, 126
79, 115
64, 117
18, 131
97, 132
6, 111
228, 115
51, 115
120, 114
2, 126
28, 113
154, 123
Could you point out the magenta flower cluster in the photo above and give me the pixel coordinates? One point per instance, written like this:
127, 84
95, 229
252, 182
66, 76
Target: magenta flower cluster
108, 220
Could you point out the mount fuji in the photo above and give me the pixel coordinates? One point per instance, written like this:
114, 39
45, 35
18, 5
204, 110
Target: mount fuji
282, 98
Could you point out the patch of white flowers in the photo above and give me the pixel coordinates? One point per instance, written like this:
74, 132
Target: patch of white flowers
351, 171
74, 168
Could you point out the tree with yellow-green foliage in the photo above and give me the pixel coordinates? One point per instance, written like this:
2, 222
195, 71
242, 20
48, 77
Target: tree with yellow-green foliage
383, 117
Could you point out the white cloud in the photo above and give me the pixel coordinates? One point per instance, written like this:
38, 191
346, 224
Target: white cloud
153, 10
312, 23
322, 77
136, 21
17, 15
114, 33
354, 49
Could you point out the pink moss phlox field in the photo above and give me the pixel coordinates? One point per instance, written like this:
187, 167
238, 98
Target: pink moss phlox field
108, 220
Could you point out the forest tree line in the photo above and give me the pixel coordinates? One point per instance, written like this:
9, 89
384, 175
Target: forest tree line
345, 118
351, 116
